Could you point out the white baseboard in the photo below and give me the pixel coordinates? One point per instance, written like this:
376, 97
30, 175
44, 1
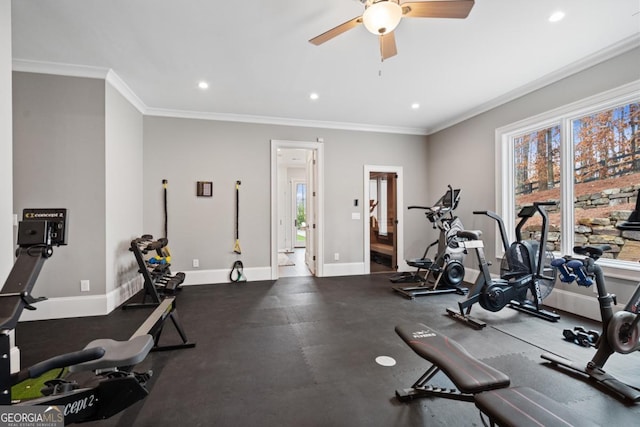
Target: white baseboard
83, 306
100, 305
571, 302
66, 307
209, 277
343, 269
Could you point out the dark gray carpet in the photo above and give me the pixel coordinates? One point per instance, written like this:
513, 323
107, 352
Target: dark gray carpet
301, 352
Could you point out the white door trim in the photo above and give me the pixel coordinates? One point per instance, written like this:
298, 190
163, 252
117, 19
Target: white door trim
319, 230
399, 214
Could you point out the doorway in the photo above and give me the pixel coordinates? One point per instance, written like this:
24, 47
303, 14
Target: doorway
382, 222
383, 225
296, 201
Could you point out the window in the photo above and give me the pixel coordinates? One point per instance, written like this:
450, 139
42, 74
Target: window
585, 157
536, 159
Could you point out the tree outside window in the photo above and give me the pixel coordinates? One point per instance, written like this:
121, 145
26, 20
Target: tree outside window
603, 177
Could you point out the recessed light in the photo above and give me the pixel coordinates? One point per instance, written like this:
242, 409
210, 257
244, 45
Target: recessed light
203, 85
556, 16
313, 96
415, 105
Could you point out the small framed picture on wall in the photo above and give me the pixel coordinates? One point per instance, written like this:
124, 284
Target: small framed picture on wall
204, 189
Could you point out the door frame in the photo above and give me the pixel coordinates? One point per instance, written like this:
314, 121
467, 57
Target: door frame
318, 148
399, 214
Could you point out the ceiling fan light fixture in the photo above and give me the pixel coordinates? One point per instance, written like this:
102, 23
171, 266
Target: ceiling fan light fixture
382, 17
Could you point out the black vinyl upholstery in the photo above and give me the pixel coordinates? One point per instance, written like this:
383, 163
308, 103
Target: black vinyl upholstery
525, 407
469, 374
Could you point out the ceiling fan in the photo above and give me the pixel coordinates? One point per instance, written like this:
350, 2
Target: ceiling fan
381, 17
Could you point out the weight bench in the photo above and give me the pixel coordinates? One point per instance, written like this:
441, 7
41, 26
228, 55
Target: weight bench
478, 382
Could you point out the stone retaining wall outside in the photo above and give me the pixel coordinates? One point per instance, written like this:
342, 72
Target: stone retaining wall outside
597, 231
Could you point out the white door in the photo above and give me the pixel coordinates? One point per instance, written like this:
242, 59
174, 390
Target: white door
312, 175
299, 213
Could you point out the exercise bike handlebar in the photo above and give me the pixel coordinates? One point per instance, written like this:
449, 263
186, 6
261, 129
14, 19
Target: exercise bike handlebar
503, 231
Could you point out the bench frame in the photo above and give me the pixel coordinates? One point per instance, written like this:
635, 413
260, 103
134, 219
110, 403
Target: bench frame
484, 385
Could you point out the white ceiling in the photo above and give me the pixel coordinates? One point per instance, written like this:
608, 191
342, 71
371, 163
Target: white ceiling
260, 66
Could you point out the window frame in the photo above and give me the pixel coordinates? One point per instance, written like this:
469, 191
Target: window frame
562, 117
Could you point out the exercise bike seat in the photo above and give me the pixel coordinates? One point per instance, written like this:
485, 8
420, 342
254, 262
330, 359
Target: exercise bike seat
525, 407
469, 234
591, 250
117, 353
469, 374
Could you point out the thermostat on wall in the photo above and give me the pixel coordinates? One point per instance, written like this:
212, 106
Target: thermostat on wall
204, 189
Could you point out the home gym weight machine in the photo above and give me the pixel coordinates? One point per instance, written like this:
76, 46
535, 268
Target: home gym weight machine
620, 330
527, 265
444, 273
115, 386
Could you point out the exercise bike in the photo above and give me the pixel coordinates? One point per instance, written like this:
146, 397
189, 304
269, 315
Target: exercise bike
524, 270
113, 388
444, 273
620, 330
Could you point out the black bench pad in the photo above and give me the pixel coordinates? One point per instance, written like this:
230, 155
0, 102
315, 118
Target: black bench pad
525, 407
469, 374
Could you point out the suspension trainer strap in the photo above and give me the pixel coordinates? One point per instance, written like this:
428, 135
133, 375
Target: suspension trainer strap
237, 272
166, 214
236, 247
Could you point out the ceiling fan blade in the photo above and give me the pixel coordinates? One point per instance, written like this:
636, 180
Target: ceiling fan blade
437, 9
388, 45
328, 35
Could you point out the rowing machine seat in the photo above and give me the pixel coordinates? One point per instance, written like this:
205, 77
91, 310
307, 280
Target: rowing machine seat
117, 353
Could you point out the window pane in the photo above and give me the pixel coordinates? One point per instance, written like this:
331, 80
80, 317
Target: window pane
537, 179
607, 178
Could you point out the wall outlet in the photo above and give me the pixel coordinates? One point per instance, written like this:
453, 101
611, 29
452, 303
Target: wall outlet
85, 286
196, 263
336, 256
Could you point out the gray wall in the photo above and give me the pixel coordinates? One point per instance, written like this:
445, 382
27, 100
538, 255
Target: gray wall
123, 187
468, 148
6, 146
59, 162
186, 150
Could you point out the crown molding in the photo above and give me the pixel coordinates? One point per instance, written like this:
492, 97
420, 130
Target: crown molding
111, 77
30, 66
72, 70
602, 55
118, 84
245, 118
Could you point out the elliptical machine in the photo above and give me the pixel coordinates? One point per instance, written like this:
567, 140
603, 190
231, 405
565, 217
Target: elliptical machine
526, 274
443, 274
